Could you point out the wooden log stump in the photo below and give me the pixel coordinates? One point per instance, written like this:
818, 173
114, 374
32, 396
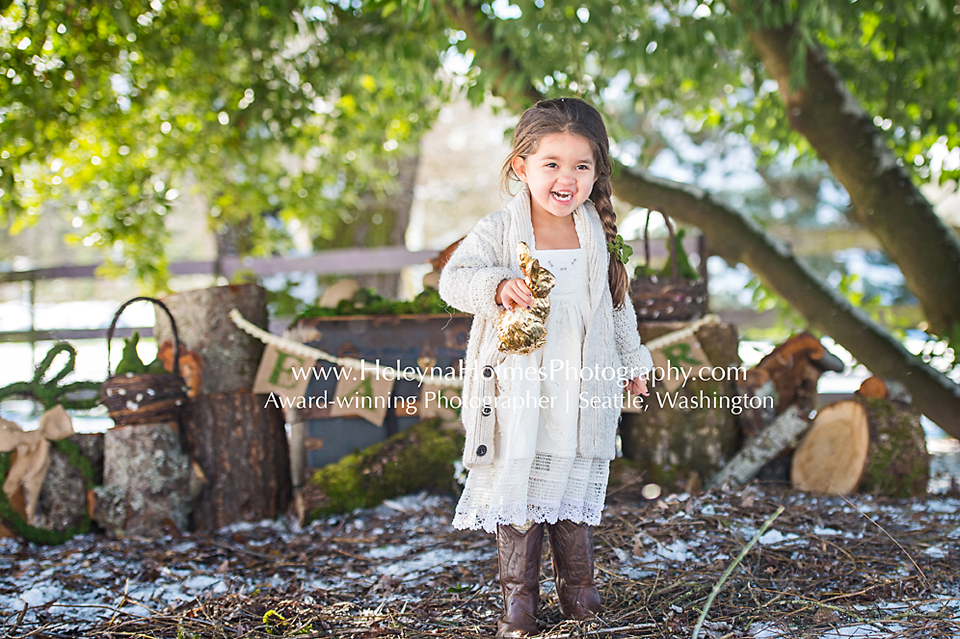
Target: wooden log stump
790, 374
237, 437
63, 501
229, 356
242, 448
868, 445
681, 441
149, 483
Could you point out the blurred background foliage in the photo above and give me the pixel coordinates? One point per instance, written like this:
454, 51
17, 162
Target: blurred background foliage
272, 111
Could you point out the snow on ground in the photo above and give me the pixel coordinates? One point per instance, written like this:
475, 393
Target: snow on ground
404, 553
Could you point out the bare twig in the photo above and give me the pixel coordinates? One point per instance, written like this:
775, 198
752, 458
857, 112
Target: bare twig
884, 531
729, 571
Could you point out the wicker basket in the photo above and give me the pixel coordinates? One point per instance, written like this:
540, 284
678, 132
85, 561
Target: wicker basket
146, 397
674, 298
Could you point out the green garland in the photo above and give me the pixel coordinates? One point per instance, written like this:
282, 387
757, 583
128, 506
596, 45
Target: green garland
48, 394
43, 535
367, 302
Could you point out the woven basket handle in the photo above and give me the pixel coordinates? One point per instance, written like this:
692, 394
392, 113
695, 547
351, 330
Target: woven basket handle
173, 325
671, 247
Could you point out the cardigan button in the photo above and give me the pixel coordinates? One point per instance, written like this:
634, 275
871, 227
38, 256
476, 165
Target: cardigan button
481, 450
486, 410
488, 371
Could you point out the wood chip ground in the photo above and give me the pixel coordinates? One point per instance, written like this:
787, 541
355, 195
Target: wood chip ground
827, 568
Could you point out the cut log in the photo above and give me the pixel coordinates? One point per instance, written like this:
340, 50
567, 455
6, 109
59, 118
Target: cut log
873, 387
870, 445
149, 483
240, 442
229, 357
793, 369
237, 439
783, 433
63, 499
686, 431
419, 458
795, 366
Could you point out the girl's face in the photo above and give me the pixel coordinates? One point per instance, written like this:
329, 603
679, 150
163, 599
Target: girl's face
560, 175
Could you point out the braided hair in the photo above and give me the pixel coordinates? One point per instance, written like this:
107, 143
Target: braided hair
573, 115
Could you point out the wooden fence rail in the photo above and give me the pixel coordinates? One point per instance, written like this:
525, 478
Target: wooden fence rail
351, 261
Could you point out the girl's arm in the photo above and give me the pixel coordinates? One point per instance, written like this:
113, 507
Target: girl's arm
634, 356
469, 280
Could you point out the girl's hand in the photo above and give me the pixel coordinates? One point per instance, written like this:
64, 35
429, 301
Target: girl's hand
637, 386
514, 293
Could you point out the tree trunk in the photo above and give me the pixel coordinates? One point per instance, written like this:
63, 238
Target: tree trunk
883, 196
378, 220
871, 445
149, 483
229, 356
242, 447
674, 442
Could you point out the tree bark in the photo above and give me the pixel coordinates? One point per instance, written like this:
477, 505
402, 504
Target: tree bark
239, 441
884, 198
242, 448
230, 357
149, 483
871, 445
63, 496
738, 239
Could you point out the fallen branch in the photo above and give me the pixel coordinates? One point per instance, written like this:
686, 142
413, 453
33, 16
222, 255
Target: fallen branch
782, 433
729, 571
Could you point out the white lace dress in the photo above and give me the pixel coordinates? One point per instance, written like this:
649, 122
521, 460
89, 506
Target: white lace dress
536, 474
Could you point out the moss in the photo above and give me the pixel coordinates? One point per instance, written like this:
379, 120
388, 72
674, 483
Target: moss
367, 302
899, 465
419, 458
672, 442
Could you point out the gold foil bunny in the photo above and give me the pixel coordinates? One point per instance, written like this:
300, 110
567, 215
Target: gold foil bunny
523, 330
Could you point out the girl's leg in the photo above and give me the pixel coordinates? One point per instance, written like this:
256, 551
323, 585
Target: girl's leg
519, 557
571, 547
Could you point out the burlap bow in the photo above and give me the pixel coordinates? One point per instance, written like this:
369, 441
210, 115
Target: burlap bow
33, 454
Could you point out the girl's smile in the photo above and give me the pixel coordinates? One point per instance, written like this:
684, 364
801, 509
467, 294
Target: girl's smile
560, 174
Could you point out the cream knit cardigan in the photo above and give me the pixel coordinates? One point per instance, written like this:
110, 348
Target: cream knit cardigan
468, 282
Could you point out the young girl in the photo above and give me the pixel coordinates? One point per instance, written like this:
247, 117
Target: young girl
541, 428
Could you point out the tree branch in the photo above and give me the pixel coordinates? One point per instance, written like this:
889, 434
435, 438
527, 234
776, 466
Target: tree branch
738, 239
884, 198
479, 29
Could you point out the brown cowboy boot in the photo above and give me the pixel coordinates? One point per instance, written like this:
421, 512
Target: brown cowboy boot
519, 556
572, 548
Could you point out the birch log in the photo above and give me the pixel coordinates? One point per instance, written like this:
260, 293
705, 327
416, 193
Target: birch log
783, 433
149, 484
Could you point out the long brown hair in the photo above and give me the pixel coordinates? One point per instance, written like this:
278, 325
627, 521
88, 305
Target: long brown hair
572, 115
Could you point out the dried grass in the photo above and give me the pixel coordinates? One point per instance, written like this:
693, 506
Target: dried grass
832, 568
